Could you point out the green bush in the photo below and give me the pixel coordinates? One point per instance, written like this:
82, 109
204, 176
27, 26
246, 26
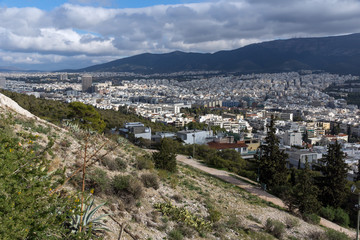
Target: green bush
275, 228
175, 235
98, 180
335, 235
327, 212
114, 164
127, 185
144, 162
122, 165
311, 218
248, 174
337, 215
214, 214
184, 216
292, 222
329, 234
341, 217
150, 180
26, 207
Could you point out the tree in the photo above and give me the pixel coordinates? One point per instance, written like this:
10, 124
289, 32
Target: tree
272, 165
334, 170
86, 116
165, 158
357, 177
306, 192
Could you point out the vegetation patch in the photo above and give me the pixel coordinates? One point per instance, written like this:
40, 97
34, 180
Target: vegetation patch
275, 228
183, 215
150, 180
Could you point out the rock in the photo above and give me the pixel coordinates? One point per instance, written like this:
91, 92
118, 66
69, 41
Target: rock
152, 224
137, 218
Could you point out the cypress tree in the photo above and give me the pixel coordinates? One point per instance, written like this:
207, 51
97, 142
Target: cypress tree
357, 177
165, 158
272, 165
306, 192
334, 170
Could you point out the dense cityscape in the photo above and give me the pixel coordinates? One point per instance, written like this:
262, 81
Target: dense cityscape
298, 100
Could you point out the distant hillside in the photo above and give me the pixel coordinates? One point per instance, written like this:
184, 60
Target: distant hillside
338, 54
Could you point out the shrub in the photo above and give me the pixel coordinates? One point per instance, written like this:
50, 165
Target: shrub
253, 218
184, 216
114, 164
341, 217
329, 234
175, 235
337, 215
275, 228
311, 218
144, 162
234, 223
177, 197
317, 235
335, 235
186, 231
214, 214
292, 222
248, 174
65, 143
27, 209
127, 185
327, 212
120, 183
150, 180
98, 180
122, 165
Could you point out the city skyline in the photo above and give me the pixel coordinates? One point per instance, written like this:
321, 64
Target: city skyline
53, 35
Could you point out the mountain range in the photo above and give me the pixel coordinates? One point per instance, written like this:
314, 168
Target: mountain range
334, 54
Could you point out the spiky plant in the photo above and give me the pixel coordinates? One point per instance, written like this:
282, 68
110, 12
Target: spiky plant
89, 222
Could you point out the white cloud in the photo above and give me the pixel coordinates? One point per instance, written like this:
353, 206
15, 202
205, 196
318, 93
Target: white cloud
100, 33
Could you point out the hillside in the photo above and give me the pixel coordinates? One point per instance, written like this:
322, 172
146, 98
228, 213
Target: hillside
337, 54
226, 211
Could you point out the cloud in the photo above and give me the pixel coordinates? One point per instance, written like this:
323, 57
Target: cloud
106, 33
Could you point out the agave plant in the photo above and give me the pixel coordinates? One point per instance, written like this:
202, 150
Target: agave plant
89, 222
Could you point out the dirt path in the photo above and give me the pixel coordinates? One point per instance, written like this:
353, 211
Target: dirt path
254, 189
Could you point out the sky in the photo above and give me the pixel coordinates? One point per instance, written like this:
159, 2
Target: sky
59, 34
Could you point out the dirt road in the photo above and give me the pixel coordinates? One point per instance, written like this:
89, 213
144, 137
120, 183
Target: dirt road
252, 188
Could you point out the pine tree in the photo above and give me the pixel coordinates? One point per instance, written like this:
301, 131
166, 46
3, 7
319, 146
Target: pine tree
306, 192
334, 170
165, 158
272, 165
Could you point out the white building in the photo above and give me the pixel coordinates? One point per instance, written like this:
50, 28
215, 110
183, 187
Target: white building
195, 136
292, 138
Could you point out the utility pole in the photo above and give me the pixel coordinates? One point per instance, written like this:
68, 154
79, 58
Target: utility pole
357, 206
194, 145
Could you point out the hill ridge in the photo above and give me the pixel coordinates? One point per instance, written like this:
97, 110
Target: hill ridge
334, 54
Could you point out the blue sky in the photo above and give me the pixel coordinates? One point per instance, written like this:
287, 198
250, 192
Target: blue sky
57, 34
